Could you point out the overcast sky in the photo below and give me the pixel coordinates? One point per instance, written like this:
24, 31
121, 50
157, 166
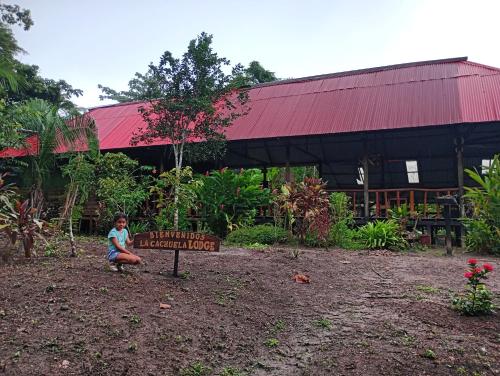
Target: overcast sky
98, 41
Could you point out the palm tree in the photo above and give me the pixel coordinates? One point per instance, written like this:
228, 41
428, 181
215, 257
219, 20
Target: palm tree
51, 133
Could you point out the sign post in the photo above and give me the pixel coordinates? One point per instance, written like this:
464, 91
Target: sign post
177, 241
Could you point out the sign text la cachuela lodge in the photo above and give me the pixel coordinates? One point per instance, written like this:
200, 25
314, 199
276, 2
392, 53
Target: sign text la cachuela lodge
176, 241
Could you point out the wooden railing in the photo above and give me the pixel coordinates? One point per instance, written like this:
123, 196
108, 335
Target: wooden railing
422, 200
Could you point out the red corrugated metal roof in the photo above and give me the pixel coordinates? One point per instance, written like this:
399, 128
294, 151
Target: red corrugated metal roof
429, 93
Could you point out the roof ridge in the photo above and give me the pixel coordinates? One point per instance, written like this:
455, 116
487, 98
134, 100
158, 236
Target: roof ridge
362, 71
117, 104
483, 66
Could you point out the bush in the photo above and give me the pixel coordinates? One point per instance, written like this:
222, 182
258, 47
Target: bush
306, 207
484, 228
477, 300
261, 234
341, 233
481, 236
343, 236
230, 200
382, 234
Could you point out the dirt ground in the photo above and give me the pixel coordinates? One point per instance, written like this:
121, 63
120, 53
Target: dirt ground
238, 312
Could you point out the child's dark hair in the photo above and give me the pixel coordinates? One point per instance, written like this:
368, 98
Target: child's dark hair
120, 216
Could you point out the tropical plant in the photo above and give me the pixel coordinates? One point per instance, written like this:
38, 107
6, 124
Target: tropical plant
195, 105
483, 229
382, 234
121, 185
308, 202
261, 234
81, 173
164, 190
51, 133
230, 200
478, 299
19, 223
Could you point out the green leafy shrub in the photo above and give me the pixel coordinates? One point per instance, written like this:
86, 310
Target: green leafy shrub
121, 186
138, 227
230, 200
478, 299
261, 234
341, 233
382, 234
164, 191
483, 229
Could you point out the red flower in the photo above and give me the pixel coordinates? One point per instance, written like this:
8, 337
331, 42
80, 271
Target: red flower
221, 206
476, 270
206, 173
468, 275
472, 261
488, 267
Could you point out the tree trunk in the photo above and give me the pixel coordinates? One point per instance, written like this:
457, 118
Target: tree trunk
72, 251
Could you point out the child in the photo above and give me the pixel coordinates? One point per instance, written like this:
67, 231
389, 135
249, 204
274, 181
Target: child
118, 239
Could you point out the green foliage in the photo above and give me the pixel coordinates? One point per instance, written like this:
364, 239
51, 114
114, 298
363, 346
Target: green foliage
271, 342
120, 185
429, 354
341, 233
323, 323
262, 234
478, 299
230, 371
196, 369
382, 234
254, 74
230, 200
483, 229
193, 99
138, 227
164, 189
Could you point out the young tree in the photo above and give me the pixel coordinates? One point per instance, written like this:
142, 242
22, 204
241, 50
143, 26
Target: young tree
196, 104
52, 132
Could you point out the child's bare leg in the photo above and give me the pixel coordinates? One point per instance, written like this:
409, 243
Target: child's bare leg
125, 258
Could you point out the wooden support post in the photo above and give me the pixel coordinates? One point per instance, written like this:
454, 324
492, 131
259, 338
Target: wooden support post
377, 203
387, 204
366, 192
354, 204
460, 175
412, 201
425, 204
288, 175
398, 199
265, 183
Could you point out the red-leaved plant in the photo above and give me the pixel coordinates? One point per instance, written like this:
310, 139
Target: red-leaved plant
477, 300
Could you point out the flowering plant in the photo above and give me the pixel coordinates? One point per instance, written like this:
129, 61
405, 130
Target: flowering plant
477, 300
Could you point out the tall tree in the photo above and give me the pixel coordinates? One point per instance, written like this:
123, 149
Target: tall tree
141, 87
196, 103
144, 86
257, 74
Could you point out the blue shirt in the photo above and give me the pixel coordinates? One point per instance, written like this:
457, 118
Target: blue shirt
120, 236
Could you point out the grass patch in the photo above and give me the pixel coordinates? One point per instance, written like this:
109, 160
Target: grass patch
271, 342
323, 323
196, 369
427, 289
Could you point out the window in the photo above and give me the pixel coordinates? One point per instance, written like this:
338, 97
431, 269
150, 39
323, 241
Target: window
361, 176
485, 165
412, 171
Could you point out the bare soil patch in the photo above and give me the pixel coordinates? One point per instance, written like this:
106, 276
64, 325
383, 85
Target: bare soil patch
364, 313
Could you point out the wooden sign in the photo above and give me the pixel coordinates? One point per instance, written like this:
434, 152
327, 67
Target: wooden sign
177, 240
